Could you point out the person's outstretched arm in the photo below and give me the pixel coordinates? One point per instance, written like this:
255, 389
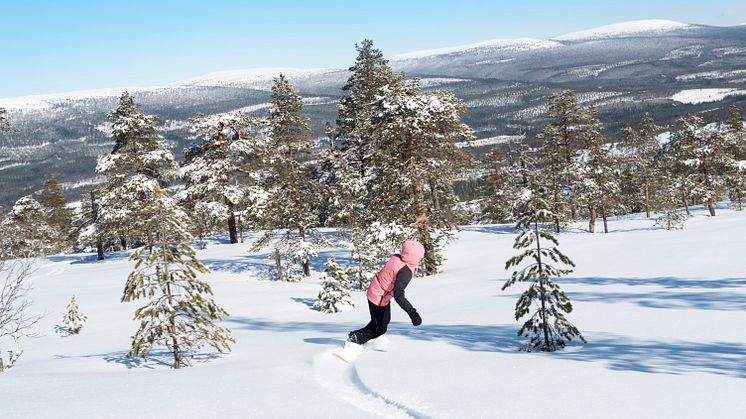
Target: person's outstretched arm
402, 280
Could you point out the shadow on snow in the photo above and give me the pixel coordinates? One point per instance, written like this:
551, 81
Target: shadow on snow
616, 352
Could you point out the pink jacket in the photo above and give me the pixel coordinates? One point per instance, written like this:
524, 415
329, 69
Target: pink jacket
381, 287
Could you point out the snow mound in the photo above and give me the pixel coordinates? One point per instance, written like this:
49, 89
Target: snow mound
503, 45
626, 29
695, 96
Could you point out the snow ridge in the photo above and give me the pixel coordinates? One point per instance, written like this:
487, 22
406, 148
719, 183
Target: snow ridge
627, 29
506, 45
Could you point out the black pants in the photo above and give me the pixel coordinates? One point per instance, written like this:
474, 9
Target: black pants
379, 321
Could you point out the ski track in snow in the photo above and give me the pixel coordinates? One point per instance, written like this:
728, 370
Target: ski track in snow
344, 382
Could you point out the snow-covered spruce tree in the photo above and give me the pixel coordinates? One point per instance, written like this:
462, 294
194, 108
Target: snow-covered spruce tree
27, 232
699, 155
356, 188
180, 313
644, 147
138, 156
59, 215
291, 195
497, 201
74, 319
563, 140
668, 196
85, 224
417, 160
335, 291
220, 169
598, 188
735, 166
547, 327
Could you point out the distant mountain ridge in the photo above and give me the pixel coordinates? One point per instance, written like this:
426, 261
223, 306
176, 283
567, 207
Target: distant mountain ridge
667, 68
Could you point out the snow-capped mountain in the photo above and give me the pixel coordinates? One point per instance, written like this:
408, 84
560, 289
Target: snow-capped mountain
625, 69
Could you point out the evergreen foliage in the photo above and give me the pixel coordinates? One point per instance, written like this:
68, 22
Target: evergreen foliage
74, 319
291, 197
179, 312
644, 147
26, 232
59, 215
335, 292
137, 157
547, 327
598, 188
417, 161
221, 169
4, 123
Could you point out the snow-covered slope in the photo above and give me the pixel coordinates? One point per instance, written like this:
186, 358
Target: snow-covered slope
257, 76
627, 29
662, 311
501, 45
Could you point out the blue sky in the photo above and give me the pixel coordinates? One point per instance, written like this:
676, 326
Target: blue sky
62, 45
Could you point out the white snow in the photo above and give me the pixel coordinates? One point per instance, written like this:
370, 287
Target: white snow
662, 310
41, 102
626, 29
500, 139
695, 96
256, 76
506, 45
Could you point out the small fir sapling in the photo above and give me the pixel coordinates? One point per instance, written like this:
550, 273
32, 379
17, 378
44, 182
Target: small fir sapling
335, 292
74, 319
547, 327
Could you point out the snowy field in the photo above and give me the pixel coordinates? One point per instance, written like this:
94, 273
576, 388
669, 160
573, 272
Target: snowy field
664, 313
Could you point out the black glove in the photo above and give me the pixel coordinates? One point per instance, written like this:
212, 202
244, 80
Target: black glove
416, 319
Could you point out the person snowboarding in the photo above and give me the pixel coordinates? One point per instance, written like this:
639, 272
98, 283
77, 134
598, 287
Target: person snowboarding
390, 282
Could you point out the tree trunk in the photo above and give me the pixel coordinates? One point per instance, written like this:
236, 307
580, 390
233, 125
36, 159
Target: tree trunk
169, 294
278, 264
231, 222
542, 292
592, 221
711, 208
603, 215
94, 221
646, 191
123, 242
686, 205
306, 265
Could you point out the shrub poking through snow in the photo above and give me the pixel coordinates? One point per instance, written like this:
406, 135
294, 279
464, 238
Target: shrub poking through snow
335, 292
547, 327
74, 319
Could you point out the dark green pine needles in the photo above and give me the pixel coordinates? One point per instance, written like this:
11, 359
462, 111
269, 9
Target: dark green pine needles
547, 327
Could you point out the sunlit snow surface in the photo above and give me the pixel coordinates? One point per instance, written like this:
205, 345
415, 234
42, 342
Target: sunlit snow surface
662, 310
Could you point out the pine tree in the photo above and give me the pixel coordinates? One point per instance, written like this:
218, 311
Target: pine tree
220, 170
699, 155
565, 109
180, 313
598, 188
74, 319
86, 224
138, 156
417, 161
26, 231
4, 123
335, 292
358, 188
291, 195
497, 204
644, 147
735, 157
547, 327
59, 215
553, 166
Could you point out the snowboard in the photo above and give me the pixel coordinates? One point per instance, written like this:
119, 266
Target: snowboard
350, 351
